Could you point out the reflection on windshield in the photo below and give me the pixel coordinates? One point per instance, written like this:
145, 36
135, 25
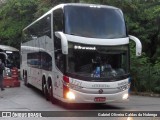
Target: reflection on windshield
109, 62
103, 68
106, 23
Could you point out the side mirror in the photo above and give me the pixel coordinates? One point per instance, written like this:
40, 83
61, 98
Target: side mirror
138, 45
64, 42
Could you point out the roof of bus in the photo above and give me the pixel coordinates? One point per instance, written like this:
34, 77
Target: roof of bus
9, 48
72, 4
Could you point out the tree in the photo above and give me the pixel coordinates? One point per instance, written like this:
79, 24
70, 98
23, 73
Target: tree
15, 15
45, 5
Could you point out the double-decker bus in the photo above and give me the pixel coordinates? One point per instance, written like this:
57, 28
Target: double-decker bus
78, 53
13, 56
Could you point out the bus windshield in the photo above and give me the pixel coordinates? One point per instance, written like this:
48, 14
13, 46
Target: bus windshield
96, 62
13, 59
94, 22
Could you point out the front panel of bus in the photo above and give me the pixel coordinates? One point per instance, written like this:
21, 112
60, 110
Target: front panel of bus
95, 73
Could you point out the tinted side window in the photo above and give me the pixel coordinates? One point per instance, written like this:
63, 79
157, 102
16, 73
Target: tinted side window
46, 61
58, 26
33, 59
38, 29
44, 27
41, 60
58, 20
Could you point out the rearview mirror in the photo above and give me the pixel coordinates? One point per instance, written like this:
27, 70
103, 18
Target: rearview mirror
138, 45
64, 42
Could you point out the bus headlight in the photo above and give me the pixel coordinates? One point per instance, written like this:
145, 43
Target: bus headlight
70, 95
125, 96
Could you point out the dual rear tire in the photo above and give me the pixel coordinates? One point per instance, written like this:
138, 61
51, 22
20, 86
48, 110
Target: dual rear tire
48, 92
51, 98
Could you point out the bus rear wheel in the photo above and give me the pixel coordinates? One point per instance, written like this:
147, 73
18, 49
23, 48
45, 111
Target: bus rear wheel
45, 91
52, 99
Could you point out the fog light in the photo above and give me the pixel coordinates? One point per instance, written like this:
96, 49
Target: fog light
125, 96
70, 96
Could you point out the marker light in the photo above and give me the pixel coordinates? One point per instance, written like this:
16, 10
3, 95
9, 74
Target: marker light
125, 96
66, 79
70, 95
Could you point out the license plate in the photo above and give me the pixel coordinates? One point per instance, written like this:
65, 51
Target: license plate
99, 99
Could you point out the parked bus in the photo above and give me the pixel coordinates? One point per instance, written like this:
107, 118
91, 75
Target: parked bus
78, 53
13, 56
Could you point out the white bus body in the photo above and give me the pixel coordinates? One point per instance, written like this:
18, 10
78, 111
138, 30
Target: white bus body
78, 53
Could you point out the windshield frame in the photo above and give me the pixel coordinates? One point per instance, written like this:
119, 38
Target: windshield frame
95, 79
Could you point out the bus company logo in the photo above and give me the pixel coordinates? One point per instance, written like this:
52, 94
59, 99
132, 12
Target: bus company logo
100, 91
84, 47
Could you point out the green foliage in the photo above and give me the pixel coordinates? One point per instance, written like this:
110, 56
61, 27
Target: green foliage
15, 15
45, 5
137, 69
155, 78
145, 75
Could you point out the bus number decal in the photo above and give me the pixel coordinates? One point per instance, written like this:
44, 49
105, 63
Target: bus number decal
75, 82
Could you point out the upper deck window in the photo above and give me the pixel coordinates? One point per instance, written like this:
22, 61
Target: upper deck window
94, 22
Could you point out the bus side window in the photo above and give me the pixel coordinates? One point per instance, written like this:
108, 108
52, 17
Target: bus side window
58, 26
44, 27
46, 61
58, 20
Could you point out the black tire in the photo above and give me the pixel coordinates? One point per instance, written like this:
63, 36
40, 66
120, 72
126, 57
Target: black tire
26, 80
45, 91
51, 98
43, 87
